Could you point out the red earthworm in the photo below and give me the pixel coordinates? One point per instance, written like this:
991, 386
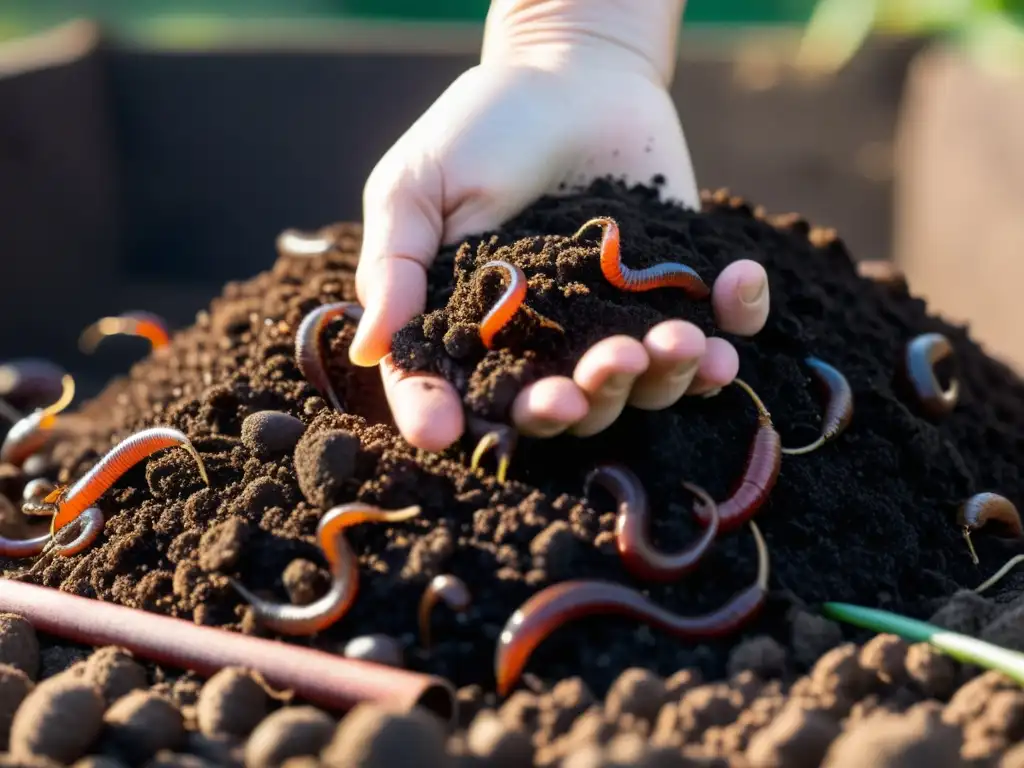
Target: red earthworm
32, 432
665, 275
920, 357
984, 508
511, 301
501, 437
90, 525
288, 619
28, 383
67, 503
559, 604
838, 411
449, 589
759, 474
309, 350
151, 327
632, 526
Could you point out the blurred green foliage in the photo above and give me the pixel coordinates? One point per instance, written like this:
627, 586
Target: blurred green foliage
991, 31
213, 17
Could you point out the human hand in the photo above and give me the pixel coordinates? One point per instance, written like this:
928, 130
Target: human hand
564, 94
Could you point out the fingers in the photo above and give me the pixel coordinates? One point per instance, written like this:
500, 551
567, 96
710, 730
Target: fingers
402, 222
606, 374
426, 408
548, 407
717, 368
740, 298
675, 348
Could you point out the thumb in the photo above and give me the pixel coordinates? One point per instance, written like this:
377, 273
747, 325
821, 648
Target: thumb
402, 225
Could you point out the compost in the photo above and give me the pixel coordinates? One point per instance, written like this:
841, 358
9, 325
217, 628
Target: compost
870, 518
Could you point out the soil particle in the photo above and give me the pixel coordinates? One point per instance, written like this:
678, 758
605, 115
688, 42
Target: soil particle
324, 461
19, 646
811, 636
965, 612
221, 546
932, 671
839, 671
372, 736
382, 649
636, 692
141, 724
14, 687
556, 551
304, 581
970, 701
26, 761
60, 720
167, 759
114, 672
220, 749
268, 433
231, 702
60, 658
561, 706
288, 732
491, 740
885, 656
797, 738
897, 741
762, 655
1007, 629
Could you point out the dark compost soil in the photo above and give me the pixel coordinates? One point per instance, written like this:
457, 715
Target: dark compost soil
868, 519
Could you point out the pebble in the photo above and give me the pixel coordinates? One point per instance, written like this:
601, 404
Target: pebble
221, 545
114, 672
323, 462
797, 738
490, 739
811, 636
60, 719
381, 649
761, 655
303, 581
288, 732
14, 687
373, 736
141, 724
268, 433
19, 646
885, 655
914, 740
638, 692
231, 702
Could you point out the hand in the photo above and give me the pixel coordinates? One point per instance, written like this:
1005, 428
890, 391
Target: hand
519, 125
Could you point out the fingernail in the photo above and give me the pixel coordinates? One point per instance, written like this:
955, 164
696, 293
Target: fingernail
751, 291
617, 385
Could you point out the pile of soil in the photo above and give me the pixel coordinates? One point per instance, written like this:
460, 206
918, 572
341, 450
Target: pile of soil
868, 519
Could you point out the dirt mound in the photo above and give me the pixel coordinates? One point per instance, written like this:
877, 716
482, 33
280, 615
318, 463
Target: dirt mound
868, 519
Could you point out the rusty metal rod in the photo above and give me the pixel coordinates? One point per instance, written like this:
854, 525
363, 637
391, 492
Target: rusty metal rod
331, 681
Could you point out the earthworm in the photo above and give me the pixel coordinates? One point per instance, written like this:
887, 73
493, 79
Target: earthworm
632, 526
32, 432
759, 474
501, 437
67, 503
511, 301
28, 383
288, 619
559, 604
839, 408
90, 524
151, 327
987, 507
449, 589
309, 351
37, 489
922, 353
665, 275
1008, 566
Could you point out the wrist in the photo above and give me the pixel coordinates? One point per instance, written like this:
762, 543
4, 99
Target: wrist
590, 34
